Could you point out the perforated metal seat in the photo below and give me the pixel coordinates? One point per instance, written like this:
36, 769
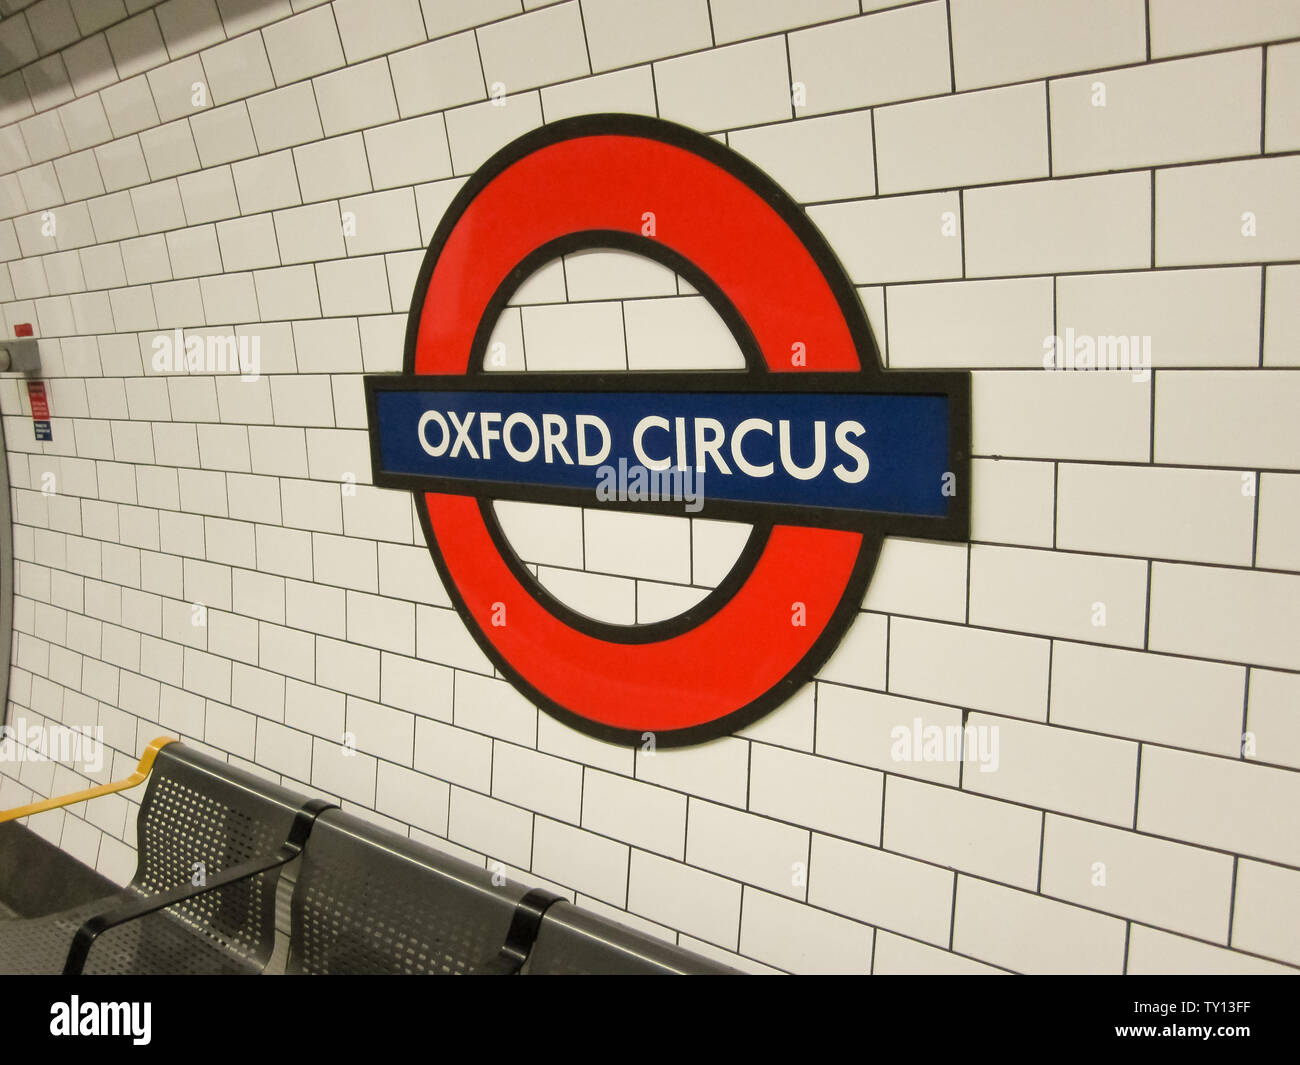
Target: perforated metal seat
368, 901
198, 818
575, 942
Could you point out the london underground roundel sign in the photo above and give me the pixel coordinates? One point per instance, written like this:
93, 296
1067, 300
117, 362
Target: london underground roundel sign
812, 443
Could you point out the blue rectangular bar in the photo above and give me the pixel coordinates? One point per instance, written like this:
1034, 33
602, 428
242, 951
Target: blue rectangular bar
879, 453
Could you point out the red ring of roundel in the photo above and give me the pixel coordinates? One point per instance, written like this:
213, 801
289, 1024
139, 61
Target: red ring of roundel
621, 182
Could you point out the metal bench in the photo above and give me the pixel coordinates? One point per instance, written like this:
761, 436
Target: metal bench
573, 941
368, 901
212, 841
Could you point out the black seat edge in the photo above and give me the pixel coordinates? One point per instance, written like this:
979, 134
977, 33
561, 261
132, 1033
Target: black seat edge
524, 926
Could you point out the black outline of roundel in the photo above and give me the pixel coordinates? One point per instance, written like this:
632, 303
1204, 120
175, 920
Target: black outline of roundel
954, 385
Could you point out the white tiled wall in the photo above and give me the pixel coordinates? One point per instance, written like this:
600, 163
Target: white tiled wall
1124, 629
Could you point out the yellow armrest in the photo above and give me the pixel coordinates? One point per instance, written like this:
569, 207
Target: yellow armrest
138, 777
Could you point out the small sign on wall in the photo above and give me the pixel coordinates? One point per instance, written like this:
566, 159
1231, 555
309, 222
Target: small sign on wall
40, 410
